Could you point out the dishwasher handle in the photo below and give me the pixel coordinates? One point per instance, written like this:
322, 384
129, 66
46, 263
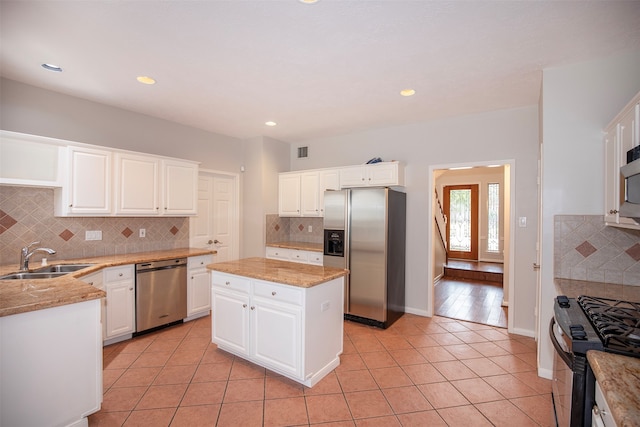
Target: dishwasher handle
159, 265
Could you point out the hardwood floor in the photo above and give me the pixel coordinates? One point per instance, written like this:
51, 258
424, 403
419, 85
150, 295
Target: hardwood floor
470, 300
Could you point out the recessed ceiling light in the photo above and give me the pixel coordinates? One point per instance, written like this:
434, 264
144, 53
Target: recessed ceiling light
493, 166
146, 80
51, 67
461, 168
407, 92
270, 123
308, 1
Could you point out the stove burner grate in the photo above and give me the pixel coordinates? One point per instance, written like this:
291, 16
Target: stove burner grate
616, 322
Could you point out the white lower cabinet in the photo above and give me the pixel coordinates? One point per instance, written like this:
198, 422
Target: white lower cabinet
294, 331
294, 255
198, 286
119, 283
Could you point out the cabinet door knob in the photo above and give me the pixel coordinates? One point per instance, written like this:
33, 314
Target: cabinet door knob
191, 277
120, 275
253, 307
71, 205
244, 305
227, 283
130, 289
273, 293
613, 211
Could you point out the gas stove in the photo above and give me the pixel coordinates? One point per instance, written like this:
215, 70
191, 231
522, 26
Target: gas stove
595, 323
616, 322
579, 325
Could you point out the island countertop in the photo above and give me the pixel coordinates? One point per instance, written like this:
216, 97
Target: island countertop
618, 378
21, 296
285, 272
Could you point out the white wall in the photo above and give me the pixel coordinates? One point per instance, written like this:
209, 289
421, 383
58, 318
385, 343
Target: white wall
264, 158
487, 137
578, 101
36, 111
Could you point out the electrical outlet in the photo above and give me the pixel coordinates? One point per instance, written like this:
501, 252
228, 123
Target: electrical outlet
310, 229
93, 235
143, 232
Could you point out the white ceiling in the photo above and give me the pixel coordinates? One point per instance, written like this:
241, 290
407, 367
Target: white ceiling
317, 70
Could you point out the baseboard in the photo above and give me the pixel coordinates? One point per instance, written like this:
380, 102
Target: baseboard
437, 279
524, 332
423, 313
545, 373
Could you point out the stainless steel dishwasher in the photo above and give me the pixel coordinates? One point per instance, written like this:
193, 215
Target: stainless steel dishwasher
161, 293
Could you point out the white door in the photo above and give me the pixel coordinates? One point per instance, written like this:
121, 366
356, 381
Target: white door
216, 226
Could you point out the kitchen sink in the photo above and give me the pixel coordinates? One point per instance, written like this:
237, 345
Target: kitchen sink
48, 272
32, 275
61, 268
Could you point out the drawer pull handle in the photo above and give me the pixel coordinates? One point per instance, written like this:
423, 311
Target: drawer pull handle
120, 274
273, 293
227, 283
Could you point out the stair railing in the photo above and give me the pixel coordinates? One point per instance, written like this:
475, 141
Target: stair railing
441, 225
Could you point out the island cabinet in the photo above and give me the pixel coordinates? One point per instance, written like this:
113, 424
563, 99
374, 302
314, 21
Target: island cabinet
294, 331
51, 365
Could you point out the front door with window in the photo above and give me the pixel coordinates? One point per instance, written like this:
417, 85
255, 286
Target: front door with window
461, 209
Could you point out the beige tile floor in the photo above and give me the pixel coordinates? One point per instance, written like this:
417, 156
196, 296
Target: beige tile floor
419, 372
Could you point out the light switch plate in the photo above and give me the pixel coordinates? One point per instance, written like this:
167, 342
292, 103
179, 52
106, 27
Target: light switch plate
522, 221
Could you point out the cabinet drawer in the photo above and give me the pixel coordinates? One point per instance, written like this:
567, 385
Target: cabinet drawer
229, 281
271, 291
118, 273
316, 258
299, 256
278, 253
199, 261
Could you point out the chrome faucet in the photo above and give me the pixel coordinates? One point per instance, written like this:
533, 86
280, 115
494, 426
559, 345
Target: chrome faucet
25, 254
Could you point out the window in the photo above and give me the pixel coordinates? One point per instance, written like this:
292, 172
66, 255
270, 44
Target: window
493, 217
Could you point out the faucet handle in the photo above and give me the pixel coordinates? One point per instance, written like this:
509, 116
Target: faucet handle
31, 244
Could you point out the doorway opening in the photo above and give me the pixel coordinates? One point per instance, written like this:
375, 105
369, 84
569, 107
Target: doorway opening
470, 277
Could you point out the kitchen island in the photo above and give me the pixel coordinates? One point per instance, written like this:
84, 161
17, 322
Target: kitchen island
51, 342
284, 316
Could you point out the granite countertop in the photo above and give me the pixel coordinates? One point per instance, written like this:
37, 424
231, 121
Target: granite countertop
21, 296
619, 379
302, 246
288, 273
575, 288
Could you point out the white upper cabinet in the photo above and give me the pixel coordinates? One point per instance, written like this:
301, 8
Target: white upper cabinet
180, 187
30, 160
90, 180
289, 194
387, 174
302, 193
622, 134
309, 194
86, 189
329, 180
137, 185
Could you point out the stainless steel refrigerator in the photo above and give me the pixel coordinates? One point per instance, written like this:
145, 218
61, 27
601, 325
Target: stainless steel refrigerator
365, 232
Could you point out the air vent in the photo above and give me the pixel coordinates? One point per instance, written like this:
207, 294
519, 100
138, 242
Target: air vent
302, 152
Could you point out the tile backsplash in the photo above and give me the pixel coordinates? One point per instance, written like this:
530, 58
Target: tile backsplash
26, 215
293, 229
587, 249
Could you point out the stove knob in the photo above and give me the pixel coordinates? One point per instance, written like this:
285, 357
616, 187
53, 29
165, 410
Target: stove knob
576, 328
563, 301
579, 335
